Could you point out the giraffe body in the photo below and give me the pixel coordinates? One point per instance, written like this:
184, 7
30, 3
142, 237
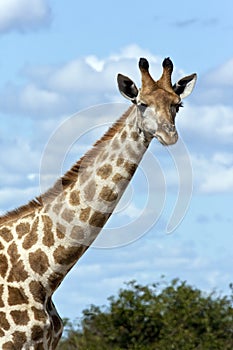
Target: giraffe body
41, 241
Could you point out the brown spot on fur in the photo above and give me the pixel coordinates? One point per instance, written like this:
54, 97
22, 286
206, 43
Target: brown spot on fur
8, 346
48, 239
68, 215
77, 233
38, 291
98, 219
120, 161
6, 234
18, 273
39, 261
22, 229
37, 333
1, 293
84, 214
107, 194
20, 317
32, 237
105, 171
118, 177
90, 190
19, 338
60, 230
75, 198
3, 265
39, 315
1, 246
57, 208
130, 167
3, 321
12, 252
16, 296
67, 256
2, 333
134, 135
123, 135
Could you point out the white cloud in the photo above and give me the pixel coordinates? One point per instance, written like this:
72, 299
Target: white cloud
216, 86
223, 158
19, 166
13, 197
95, 63
222, 76
208, 123
18, 151
76, 84
91, 75
23, 15
213, 174
32, 100
35, 99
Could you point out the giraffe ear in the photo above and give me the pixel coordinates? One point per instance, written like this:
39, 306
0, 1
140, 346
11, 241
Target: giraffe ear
127, 87
185, 86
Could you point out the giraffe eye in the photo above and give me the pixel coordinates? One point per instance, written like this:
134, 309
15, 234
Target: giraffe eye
142, 105
175, 108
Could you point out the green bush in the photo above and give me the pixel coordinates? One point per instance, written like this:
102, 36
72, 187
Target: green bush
160, 316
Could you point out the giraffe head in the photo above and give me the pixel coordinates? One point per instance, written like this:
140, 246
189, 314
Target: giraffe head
157, 101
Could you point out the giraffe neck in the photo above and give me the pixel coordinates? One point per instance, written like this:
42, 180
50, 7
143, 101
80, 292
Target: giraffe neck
84, 199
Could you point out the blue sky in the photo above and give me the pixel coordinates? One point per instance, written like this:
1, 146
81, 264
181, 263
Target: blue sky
58, 58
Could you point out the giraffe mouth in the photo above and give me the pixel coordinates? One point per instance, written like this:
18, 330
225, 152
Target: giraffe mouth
161, 140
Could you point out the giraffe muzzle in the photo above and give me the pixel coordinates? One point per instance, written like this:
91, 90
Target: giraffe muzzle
166, 134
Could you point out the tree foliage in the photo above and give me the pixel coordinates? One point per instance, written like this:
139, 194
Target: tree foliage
161, 316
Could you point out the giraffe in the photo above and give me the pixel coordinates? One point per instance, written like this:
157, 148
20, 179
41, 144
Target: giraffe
42, 240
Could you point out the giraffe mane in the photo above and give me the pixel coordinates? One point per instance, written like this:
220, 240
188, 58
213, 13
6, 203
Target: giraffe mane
68, 178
